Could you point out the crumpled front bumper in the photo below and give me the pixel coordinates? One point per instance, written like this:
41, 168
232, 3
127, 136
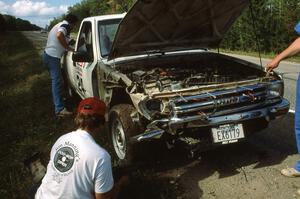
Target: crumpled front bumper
154, 130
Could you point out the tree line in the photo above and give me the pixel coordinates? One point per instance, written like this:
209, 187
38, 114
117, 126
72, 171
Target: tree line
11, 23
266, 25
87, 8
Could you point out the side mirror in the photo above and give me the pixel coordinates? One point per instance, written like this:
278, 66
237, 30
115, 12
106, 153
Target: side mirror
80, 56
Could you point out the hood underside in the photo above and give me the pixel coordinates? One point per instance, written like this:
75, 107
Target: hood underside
170, 25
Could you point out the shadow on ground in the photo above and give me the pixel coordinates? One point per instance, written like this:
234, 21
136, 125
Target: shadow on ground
170, 174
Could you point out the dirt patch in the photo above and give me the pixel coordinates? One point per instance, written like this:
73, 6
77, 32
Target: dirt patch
244, 170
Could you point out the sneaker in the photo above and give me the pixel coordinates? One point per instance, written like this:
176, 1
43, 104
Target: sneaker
298, 192
64, 112
290, 172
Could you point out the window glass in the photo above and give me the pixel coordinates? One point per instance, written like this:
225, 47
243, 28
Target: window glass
85, 43
107, 31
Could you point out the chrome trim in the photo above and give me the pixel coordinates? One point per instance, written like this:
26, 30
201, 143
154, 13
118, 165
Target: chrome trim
236, 90
237, 117
148, 135
194, 106
155, 131
211, 102
223, 102
248, 107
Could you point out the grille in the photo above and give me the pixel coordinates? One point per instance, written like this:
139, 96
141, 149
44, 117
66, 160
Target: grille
218, 102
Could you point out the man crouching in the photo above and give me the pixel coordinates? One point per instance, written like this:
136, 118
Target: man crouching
78, 166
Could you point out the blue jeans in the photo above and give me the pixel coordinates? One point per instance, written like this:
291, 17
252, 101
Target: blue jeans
297, 121
53, 65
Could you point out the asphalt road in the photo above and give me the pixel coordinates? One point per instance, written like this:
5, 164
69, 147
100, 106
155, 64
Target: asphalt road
243, 170
289, 71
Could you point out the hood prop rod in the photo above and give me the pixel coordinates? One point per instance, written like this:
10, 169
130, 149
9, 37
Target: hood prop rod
256, 36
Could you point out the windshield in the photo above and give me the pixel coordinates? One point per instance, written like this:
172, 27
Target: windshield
107, 31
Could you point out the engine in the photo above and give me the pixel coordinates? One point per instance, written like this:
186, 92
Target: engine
172, 79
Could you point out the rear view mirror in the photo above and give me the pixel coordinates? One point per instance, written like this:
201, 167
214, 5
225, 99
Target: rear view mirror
80, 56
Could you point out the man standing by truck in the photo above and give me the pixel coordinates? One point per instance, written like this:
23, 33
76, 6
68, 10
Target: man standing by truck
78, 166
57, 44
293, 49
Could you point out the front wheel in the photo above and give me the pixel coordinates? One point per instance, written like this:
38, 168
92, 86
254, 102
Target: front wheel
121, 128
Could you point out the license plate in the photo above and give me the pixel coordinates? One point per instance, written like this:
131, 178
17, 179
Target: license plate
228, 133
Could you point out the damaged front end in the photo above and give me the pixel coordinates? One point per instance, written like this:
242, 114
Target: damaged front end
186, 103
176, 90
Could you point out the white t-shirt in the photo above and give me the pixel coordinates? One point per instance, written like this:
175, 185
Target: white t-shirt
78, 167
53, 47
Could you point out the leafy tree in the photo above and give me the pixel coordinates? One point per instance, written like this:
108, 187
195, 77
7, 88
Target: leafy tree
17, 24
2, 23
10, 22
270, 26
274, 22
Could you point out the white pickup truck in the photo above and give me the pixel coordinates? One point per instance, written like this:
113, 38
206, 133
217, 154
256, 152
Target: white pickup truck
153, 70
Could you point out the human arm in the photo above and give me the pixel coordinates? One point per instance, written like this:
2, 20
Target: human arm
62, 40
114, 192
107, 195
105, 188
293, 49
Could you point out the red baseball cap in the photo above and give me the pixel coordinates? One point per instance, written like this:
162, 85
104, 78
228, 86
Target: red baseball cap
92, 105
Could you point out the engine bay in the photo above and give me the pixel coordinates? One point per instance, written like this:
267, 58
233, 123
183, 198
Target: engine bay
161, 79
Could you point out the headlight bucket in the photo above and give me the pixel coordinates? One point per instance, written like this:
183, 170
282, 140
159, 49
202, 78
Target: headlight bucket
151, 107
154, 105
276, 89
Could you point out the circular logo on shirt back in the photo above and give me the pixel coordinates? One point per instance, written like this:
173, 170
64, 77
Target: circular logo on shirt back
64, 159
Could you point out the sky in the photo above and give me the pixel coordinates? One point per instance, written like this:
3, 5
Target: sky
39, 12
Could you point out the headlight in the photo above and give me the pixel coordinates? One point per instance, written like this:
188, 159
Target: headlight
151, 107
154, 105
276, 89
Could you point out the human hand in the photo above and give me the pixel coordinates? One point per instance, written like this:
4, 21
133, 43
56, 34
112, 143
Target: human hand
272, 65
70, 49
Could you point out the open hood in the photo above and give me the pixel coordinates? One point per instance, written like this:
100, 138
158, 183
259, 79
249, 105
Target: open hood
170, 25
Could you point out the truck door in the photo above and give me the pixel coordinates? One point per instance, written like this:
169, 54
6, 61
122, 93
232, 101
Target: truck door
83, 70
106, 33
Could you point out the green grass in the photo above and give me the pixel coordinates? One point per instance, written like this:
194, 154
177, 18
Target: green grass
27, 122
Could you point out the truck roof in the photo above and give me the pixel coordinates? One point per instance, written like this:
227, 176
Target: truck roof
105, 17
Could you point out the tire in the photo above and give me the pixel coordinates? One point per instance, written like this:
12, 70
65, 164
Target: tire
121, 128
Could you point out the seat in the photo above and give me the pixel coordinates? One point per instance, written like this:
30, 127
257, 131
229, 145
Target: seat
107, 43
